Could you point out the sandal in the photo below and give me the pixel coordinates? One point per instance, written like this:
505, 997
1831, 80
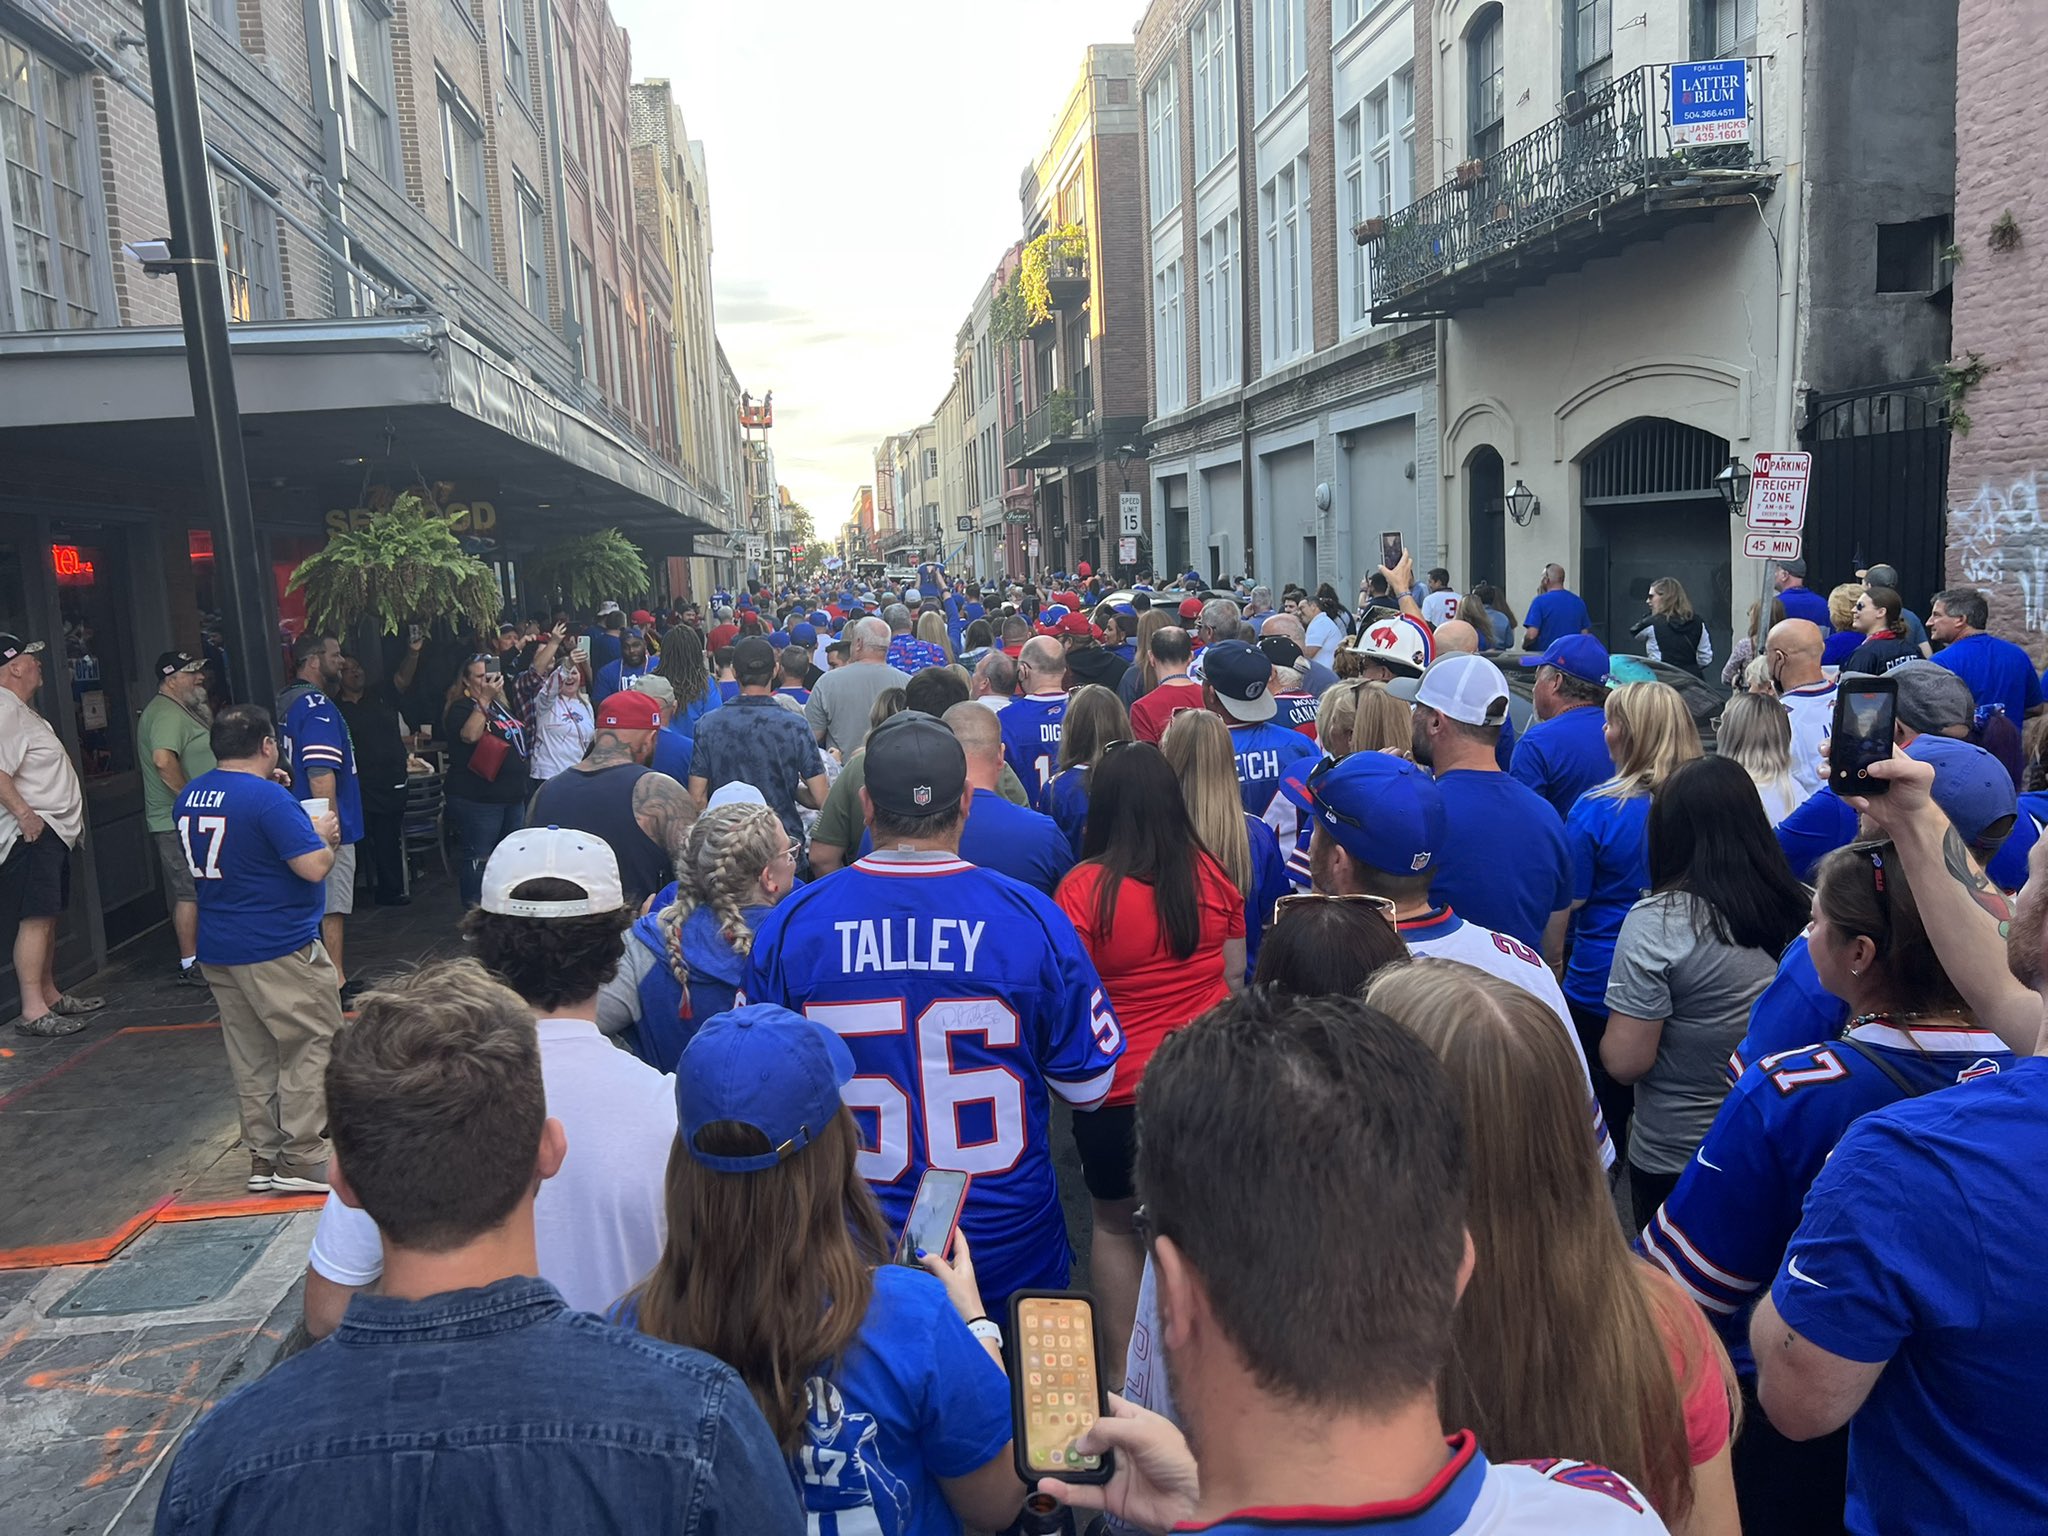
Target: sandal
49, 1026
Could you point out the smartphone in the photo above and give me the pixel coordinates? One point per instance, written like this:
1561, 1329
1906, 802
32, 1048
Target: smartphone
934, 1213
1866, 713
1055, 1353
583, 647
492, 666
1390, 550
412, 633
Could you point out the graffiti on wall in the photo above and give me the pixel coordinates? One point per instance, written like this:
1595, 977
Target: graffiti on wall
2000, 536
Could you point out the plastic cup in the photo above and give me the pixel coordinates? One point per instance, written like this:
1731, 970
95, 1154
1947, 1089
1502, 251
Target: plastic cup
316, 807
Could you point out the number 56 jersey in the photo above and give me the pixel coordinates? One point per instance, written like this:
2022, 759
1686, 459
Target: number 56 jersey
967, 1001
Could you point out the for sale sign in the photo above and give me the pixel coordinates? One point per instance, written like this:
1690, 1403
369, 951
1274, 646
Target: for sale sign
1710, 102
1777, 496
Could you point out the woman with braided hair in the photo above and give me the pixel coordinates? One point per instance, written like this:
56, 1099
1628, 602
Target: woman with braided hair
685, 955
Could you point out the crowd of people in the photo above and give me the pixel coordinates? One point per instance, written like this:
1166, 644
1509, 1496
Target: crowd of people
1455, 1098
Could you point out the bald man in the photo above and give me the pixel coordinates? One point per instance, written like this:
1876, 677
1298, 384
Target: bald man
1031, 723
1793, 649
1000, 836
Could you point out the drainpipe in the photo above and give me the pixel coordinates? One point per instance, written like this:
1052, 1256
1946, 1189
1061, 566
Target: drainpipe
322, 49
1248, 239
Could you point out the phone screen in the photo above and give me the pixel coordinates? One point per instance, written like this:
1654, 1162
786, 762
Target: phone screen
1864, 718
1061, 1390
1390, 550
492, 667
583, 646
933, 1213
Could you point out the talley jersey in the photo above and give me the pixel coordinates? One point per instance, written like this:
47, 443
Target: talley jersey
1264, 752
1722, 1233
966, 1001
1031, 740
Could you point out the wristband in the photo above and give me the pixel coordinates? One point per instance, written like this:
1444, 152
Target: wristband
986, 1330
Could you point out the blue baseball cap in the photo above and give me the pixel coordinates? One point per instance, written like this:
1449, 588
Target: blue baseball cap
1382, 810
821, 618
805, 635
778, 638
1579, 656
762, 1066
1971, 786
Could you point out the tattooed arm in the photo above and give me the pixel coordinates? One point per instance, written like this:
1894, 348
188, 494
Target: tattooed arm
665, 812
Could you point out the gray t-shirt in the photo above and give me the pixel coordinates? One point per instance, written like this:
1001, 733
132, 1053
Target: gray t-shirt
839, 706
1669, 966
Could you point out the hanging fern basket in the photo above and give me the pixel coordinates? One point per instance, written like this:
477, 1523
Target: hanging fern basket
588, 570
405, 566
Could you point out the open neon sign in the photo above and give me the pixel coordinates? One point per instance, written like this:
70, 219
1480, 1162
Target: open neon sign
72, 566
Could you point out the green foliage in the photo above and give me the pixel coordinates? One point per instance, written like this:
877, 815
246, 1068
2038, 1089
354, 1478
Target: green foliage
1059, 412
799, 528
1957, 380
586, 570
1009, 316
404, 566
1058, 250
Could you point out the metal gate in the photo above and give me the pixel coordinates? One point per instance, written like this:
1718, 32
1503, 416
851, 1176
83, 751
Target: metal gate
1880, 486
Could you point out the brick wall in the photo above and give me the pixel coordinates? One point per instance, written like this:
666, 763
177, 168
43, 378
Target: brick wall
1122, 247
1322, 177
1998, 471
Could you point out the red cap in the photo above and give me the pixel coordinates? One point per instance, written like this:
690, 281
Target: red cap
1191, 607
722, 636
1067, 599
642, 616
1074, 624
1084, 569
630, 711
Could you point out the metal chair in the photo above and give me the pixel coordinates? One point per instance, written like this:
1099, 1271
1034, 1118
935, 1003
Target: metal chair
423, 824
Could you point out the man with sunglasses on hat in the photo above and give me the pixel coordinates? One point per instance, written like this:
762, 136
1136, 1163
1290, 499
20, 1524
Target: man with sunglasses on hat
1379, 831
42, 817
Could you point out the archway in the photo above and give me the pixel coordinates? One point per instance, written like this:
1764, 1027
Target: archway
1486, 529
1652, 509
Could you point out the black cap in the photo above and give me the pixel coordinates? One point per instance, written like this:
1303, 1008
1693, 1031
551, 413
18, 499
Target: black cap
915, 766
1279, 650
753, 661
1241, 676
171, 663
12, 646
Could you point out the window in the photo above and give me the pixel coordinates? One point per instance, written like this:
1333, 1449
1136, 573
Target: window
367, 50
1352, 259
572, 91
1592, 43
1220, 286
586, 319
1215, 86
1169, 342
533, 249
248, 248
1283, 208
1725, 27
1909, 255
931, 463
1488, 116
512, 16
615, 335
1162, 142
1281, 42
1347, 14
1376, 179
51, 262
462, 174
221, 13
601, 148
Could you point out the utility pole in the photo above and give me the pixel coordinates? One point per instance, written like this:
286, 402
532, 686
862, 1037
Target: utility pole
202, 304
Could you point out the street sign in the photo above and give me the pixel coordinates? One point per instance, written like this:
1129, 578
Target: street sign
1710, 102
1127, 551
964, 522
1771, 546
1130, 512
1777, 496
756, 547
1033, 548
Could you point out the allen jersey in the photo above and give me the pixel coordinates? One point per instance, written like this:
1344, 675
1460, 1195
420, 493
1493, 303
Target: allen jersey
1724, 1229
967, 1001
1443, 935
1031, 740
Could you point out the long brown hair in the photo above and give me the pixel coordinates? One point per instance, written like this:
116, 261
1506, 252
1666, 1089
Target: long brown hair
770, 1271
1562, 1336
1197, 748
1150, 622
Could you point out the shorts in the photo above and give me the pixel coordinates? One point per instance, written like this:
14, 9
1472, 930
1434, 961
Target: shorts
35, 880
1107, 1139
341, 882
170, 852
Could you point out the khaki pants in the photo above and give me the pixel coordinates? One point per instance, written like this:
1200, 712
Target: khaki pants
277, 1018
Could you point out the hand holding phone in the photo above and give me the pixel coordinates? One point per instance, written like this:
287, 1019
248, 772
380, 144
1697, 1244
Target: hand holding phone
1390, 551
934, 1214
1866, 721
1054, 1350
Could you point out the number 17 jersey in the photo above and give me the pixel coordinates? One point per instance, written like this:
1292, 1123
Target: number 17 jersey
966, 1000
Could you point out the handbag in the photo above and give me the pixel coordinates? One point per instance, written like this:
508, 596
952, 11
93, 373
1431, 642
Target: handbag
488, 755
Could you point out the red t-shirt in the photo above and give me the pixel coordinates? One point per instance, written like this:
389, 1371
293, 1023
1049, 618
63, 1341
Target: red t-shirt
1150, 714
1154, 993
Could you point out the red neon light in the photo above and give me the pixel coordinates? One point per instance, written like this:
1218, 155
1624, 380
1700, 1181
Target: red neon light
69, 564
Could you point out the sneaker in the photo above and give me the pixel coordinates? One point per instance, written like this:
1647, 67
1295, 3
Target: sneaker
282, 1183
71, 1007
262, 1173
189, 976
49, 1027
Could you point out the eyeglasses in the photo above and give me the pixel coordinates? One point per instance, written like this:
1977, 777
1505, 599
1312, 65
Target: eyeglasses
788, 854
1380, 904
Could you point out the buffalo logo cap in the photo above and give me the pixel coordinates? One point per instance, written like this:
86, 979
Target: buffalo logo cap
553, 853
765, 1067
1242, 679
1382, 810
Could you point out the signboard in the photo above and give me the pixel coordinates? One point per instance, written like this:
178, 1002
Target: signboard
1130, 511
1033, 548
1771, 546
1710, 102
1127, 550
756, 546
964, 522
1777, 496
1019, 518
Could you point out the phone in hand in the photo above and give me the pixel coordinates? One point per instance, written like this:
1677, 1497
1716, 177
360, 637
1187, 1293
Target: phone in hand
1866, 718
493, 667
1054, 1351
583, 647
1390, 550
412, 634
934, 1214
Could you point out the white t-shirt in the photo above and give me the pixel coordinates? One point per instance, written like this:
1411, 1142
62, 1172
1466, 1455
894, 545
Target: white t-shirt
563, 728
599, 1223
1812, 709
1325, 634
1440, 606
32, 755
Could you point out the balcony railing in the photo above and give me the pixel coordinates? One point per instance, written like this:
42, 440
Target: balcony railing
1060, 429
1578, 187
1066, 279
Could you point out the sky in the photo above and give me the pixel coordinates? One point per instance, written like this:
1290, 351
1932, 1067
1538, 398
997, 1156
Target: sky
864, 165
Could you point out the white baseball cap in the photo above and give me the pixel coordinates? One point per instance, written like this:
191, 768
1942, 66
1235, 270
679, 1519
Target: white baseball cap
738, 792
553, 853
1460, 687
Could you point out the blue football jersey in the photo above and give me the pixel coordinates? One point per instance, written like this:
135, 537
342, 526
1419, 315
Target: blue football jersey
1794, 1010
966, 1000
1723, 1231
239, 831
313, 739
1031, 740
1264, 752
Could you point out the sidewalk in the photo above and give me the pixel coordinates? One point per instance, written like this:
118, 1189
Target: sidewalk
104, 1365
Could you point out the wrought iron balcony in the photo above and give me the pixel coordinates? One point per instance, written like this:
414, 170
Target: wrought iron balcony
1066, 279
1060, 431
1606, 174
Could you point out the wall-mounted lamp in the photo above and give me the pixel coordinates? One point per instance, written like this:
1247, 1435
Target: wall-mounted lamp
1522, 504
1733, 483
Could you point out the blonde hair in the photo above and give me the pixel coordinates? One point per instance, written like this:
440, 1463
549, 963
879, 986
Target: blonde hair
931, 628
1654, 736
1668, 599
1197, 748
1757, 733
1841, 605
1150, 622
727, 849
1367, 717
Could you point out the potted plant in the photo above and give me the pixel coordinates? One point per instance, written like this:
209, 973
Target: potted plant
1368, 230
1470, 171
405, 565
1059, 412
586, 570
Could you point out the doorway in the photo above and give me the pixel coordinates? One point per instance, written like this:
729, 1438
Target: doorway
1486, 530
1652, 510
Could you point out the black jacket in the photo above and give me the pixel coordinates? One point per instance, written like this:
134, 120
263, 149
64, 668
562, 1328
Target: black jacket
1096, 664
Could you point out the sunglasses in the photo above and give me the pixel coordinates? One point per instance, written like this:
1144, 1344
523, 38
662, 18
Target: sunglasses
1875, 852
1381, 904
1316, 775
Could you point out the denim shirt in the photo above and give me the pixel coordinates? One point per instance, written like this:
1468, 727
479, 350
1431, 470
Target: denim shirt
491, 1410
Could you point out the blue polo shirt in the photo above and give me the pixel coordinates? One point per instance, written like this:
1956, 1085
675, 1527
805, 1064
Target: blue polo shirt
1555, 614
1610, 871
1805, 603
1563, 757
1503, 862
1997, 671
238, 830
1922, 1245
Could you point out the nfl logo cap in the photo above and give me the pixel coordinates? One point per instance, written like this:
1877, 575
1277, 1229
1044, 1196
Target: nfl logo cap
1579, 656
629, 711
553, 853
170, 664
1382, 810
1469, 689
1242, 679
915, 766
12, 646
765, 1067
